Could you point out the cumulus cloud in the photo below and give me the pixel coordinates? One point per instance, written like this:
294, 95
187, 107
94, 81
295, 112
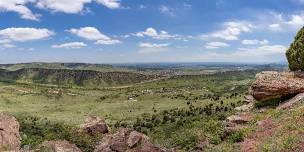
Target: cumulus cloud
25, 34
112, 4
216, 45
65, 6
92, 33
296, 20
230, 31
282, 22
152, 33
153, 47
89, 33
255, 42
71, 45
19, 6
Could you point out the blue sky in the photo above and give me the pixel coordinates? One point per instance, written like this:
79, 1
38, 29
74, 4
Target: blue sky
116, 31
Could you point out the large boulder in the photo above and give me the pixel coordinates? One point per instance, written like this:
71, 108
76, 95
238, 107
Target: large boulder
119, 140
272, 85
94, 125
126, 140
58, 146
104, 144
9, 133
135, 138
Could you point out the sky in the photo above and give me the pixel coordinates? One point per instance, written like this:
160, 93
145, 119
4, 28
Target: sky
129, 31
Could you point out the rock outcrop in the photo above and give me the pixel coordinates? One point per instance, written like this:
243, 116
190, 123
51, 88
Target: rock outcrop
58, 146
236, 122
126, 140
290, 102
94, 125
9, 133
272, 85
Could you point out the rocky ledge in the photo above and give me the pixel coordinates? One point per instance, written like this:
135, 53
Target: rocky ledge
271, 85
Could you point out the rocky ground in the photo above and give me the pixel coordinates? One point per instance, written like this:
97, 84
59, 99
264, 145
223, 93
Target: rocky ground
284, 91
123, 140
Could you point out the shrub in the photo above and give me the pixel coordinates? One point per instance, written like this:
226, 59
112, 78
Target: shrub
237, 136
35, 131
295, 53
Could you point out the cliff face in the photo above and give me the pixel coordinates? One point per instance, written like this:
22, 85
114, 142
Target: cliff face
74, 77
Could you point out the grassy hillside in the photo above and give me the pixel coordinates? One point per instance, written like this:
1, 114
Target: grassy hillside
66, 77
174, 112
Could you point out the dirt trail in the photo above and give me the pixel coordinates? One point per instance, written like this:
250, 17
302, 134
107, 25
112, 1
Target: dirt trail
265, 128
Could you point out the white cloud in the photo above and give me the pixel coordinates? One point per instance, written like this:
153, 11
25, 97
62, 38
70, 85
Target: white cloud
275, 27
216, 45
282, 22
65, 6
152, 47
151, 32
71, 45
255, 42
108, 42
19, 6
296, 20
264, 50
92, 33
261, 53
166, 10
5, 41
8, 45
89, 33
230, 31
25, 34
112, 4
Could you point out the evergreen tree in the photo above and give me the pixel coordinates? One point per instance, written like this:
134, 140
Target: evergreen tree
295, 53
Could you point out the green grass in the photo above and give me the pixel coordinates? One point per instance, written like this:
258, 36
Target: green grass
188, 95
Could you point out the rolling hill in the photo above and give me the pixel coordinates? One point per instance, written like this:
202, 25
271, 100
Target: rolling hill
69, 77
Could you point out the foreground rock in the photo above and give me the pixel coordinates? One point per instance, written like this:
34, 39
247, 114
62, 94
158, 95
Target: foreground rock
249, 99
58, 146
271, 85
289, 103
126, 140
9, 133
94, 125
236, 122
245, 108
